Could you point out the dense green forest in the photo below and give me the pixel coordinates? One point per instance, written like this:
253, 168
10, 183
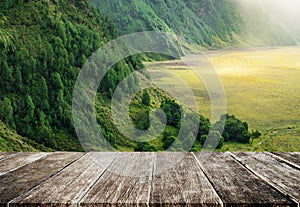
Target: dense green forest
210, 23
11, 141
45, 43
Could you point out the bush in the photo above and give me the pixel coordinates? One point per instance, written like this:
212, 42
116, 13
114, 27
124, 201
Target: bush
168, 141
255, 134
173, 112
146, 98
214, 137
144, 147
235, 130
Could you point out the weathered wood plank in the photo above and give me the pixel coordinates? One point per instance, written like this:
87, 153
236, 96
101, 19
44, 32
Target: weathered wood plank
17, 182
293, 157
64, 179
236, 185
126, 182
21, 159
183, 184
282, 175
5, 155
70, 185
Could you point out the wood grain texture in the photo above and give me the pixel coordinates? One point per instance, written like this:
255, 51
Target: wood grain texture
20, 159
293, 157
236, 185
127, 182
70, 185
282, 175
5, 155
19, 181
181, 184
149, 179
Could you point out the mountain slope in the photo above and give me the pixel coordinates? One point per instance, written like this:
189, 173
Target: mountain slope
209, 22
265, 28
45, 43
44, 46
11, 141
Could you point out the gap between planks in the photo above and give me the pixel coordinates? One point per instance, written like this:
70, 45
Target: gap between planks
151, 179
288, 196
229, 179
122, 184
213, 187
180, 181
148, 201
281, 159
77, 203
47, 178
152, 176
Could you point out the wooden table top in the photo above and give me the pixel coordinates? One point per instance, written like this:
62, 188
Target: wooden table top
149, 179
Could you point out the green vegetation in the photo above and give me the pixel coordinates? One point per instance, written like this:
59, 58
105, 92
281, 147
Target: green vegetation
51, 41
173, 112
44, 44
234, 131
6, 38
261, 87
146, 99
211, 23
215, 137
144, 147
139, 114
11, 141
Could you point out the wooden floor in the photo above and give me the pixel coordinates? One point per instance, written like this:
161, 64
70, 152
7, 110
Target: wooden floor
149, 179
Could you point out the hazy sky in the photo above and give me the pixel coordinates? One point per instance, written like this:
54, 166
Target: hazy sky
288, 11
284, 12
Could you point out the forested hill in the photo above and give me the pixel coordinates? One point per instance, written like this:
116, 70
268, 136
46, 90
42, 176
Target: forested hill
43, 46
11, 141
213, 23
210, 23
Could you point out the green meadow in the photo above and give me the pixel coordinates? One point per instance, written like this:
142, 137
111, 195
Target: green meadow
261, 86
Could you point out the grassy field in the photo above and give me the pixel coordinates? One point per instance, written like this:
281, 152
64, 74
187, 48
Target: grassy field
262, 87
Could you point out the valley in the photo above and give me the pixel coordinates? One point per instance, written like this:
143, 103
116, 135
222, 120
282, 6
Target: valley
45, 44
261, 87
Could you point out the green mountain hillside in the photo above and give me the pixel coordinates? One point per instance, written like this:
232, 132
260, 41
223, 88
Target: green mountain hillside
11, 141
43, 46
45, 43
211, 23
